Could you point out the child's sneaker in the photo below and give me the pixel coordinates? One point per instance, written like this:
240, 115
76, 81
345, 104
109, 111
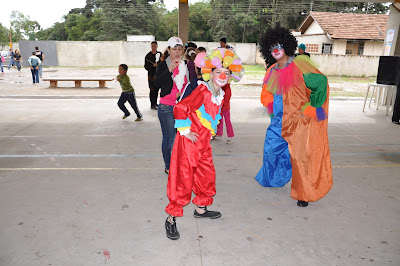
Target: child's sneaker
229, 141
217, 137
139, 119
125, 116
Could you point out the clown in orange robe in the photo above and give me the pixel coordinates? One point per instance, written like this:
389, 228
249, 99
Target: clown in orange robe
192, 167
297, 98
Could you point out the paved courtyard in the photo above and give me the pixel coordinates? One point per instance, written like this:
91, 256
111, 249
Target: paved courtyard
81, 186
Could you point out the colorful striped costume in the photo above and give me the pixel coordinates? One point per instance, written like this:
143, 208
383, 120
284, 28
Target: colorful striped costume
296, 144
192, 167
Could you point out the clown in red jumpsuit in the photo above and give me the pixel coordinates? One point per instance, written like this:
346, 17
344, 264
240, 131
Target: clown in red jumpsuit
192, 168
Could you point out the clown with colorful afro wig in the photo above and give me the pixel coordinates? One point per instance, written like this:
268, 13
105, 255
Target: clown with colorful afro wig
197, 116
296, 95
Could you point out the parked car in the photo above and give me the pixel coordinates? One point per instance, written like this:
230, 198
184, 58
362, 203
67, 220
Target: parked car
5, 54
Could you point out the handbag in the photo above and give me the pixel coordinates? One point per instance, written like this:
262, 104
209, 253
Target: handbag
2, 59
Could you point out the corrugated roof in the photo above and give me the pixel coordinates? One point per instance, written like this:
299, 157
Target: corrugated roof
349, 25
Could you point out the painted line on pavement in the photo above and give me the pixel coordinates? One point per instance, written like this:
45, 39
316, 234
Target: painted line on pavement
139, 168
72, 155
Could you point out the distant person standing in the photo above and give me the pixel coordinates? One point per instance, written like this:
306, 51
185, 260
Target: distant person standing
11, 54
222, 43
40, 55
34, 62
17, 59
150, 64
302, 50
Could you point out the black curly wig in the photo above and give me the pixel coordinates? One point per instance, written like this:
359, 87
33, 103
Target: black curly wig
277, 35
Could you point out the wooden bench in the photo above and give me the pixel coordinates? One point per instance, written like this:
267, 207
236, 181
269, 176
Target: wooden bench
78, 81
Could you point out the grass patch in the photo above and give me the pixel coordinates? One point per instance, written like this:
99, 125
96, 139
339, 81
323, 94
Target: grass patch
254, 68
344, 79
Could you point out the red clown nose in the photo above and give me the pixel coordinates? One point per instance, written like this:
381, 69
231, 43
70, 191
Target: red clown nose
275, 50
222, 76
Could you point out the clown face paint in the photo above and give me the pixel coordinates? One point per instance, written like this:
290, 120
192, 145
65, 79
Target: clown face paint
220, 76
277, 51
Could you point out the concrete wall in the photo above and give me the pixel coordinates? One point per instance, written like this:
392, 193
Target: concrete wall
90, 53
350, 65
338, 65
131, 53
48, 48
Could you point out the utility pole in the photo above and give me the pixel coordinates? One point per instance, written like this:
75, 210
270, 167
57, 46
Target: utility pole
183, 20
311, 5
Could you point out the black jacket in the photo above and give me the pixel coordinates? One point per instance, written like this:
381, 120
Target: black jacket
148, 62
163, 79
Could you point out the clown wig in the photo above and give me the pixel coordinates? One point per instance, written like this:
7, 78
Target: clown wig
217, 58
274, 36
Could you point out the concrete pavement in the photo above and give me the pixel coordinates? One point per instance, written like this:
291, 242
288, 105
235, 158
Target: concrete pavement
81, 186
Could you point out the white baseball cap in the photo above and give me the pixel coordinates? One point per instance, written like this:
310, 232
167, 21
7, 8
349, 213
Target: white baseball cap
174, 41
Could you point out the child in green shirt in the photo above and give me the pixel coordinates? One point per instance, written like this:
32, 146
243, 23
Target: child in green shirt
128, 93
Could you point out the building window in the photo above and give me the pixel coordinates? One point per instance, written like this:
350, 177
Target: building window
355, 47
326, 48
312, 47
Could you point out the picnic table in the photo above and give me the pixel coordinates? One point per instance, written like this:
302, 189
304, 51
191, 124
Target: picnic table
78, 81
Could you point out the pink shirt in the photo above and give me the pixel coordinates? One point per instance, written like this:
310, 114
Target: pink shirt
170, 99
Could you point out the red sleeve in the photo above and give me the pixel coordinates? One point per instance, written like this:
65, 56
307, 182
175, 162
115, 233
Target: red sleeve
228, 93
190, 104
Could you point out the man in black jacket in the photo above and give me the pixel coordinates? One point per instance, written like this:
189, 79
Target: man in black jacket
150, 64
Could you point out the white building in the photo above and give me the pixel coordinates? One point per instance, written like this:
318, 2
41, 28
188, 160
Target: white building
343, 33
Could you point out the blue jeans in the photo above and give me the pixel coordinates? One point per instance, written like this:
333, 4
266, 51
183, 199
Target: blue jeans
11, 63
35, 75
167, 122
40, 70
1, 66
130, 97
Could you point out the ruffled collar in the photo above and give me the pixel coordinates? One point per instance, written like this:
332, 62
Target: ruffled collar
217, 99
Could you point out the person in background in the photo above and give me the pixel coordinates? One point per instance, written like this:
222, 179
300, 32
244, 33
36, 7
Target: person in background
172, 76
128, 93
18, 59
226, 114
40, 55
222, 43
11, 55
190, 56
150, 64
302, 50
2, 60
34, 62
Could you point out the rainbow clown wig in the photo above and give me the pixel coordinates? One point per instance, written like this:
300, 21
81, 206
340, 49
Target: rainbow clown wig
217, 58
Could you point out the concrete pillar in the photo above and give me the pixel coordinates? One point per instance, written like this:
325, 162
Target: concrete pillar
393, 24
183, 24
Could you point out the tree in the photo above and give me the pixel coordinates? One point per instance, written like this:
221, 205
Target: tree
4, 37
23, 27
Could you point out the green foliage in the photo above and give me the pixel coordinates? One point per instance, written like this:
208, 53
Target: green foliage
4, 38
209, 20
23, 27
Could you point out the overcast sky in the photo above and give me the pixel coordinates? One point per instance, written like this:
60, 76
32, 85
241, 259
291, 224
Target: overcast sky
48, 12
